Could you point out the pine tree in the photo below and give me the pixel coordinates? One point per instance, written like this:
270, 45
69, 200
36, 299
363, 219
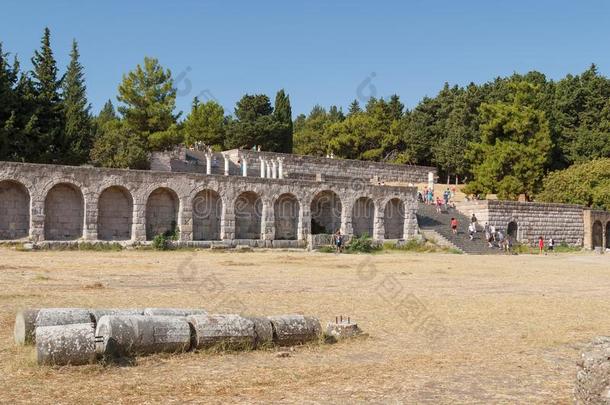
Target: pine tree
283, 114
8, 101
48, 115
354, 108
77, 139
396, 107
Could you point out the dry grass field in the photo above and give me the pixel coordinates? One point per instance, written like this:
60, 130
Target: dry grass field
443, 328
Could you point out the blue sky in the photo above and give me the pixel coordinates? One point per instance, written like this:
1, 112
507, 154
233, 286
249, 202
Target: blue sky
321, 52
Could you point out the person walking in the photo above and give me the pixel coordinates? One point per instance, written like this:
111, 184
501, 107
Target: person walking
430, 196
454, 226
551, 247
439, 205
338, 241
471, 231
474, 221
540, 245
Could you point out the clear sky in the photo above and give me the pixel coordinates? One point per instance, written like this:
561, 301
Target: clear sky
321, 52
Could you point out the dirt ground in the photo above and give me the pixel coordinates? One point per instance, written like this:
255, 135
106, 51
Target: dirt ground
443, 328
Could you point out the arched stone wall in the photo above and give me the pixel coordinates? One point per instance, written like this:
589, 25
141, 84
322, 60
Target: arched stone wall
394, 219
363, 216
326, 210
161, 212
286, 209
115, 214
14, 210
207, 214
248, 213
608, 235
64, 213
598, 234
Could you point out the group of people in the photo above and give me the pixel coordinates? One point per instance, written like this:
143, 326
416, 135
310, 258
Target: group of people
442, 204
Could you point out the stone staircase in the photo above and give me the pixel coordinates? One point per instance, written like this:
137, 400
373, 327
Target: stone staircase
438, 226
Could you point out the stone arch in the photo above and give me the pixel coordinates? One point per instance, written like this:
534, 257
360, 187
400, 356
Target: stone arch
325, 212
608, 235
363, 217
14, 210
207, 213
394, 219
64, 212
161, 212
597, 234
512, 230
286, 211
115, 214
248, 212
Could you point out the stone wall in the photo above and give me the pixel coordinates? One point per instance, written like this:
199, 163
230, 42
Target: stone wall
562, 222
597, 229
65, 202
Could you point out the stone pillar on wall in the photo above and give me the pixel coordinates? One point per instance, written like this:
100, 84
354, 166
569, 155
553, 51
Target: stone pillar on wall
90, 217
431, 180
411, 227
138, 229
346, 219
37, 218
268, 166
304, 224
227, 220
378, 222
267, 221
260, 158
185, 219
280, 162
226, 157
244, 166
208, 163
273, 169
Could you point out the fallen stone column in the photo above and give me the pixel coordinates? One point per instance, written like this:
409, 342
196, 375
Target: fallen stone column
222, 331
593, 376
291, 330
65, 344
62, 316
129, 335
25, 326
173, 311
97, 314
263, 331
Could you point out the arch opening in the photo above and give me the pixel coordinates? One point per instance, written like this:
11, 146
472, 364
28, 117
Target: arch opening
286, 211
608, 235
248, 213
162, 213
597, 234
207, 212
14, 210
115, 214
64, 213
325, 212
394, 219
363, 216
512, 230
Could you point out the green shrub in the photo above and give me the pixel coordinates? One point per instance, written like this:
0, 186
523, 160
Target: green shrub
362, 244
162, 242
327, 249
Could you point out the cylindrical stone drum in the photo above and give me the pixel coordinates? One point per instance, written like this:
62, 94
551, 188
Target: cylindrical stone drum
130, 335
173, 311
62, 316
224, 331
25, 326
96, 314
291, 330
263, 331
65, 344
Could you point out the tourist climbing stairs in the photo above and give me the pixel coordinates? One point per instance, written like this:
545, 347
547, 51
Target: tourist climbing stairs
438, 226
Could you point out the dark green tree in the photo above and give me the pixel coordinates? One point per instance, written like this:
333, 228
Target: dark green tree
205, 123
78, 131
354, 108
283, 115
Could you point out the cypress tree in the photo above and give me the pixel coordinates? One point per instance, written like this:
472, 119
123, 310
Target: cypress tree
283, 115
48, 112
77, 133
354, 108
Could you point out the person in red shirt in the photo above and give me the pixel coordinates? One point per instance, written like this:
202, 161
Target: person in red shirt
454, 225
541, 245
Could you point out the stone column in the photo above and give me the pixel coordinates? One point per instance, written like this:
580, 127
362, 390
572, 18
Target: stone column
304, 225
273, 169
431, 180
268, 166
379, 222
244, 167
410, 226
227, 220
280, 162
90, 225
37, 216
226, 157
185, 219
267, 221
260, 158
208, 163
138, 228
346, 219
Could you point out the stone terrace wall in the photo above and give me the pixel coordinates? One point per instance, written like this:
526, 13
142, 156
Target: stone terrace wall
138, 186
563, 222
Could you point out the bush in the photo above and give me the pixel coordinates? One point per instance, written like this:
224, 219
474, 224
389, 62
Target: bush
362, 244
164, 241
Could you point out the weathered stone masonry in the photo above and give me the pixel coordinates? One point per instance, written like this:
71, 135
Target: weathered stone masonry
48, 202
